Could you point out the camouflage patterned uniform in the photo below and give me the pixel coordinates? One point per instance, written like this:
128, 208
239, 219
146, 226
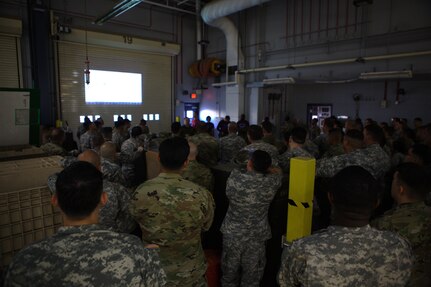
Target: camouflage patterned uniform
284, 159
129, 153
243, 156
208, 148
86, 255
334, 150
347, 256
199, 174
53, 149
115, 214
311, 147
112, 171
412, 221
118, 138
172, 212
230, 145
373, 159
245, 227
86, 141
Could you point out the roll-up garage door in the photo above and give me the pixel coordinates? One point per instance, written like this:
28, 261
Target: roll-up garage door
108, 53
10, 33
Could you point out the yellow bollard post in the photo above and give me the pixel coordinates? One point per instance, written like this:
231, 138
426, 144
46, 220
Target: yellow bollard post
301, 191
58, 124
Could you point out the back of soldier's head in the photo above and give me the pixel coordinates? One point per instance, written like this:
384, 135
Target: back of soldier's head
298, 135
420, 154
354, 191
233, 127
57, 136
136, 131
201, 127
335, 136
255, 132
415, 178
355, 138
173, 152
97, 140
108, 150
107, 133
78, 189
90, 156
375, 132
175, 127
267, 127
261, 161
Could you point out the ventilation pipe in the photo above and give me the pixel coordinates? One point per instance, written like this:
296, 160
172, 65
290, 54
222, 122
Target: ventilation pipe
214, 14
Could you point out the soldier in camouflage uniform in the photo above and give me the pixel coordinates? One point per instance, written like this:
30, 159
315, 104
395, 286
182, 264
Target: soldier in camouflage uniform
335, 143
115, 214
82, 253
110, 169
295, 141
54, 147
411, 218
349, 252
208, 146
120, 134
131, 150
172, 213
372, 158
246, 228
197, 172
231, 144
255, 135
86, 139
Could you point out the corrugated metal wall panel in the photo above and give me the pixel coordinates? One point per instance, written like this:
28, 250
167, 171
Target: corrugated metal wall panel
156, 81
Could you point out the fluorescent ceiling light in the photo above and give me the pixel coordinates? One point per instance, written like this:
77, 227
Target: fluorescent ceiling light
386, 75
120, 8
287, 80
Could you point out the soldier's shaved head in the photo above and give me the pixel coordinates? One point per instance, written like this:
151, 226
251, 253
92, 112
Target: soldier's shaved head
108, 150
90, 156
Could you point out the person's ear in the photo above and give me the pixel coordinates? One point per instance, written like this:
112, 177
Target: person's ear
186, 163
249, 165
54, 200
103, 198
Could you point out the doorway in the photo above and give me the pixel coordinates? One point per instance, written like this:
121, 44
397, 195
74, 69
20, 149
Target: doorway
319, 112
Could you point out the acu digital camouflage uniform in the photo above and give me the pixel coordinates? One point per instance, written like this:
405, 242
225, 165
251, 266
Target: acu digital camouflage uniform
230, 145
53, 149
412, 221
115, 214
199, 174
244, 154
372, 158
86, 255
284, 159
245, 227
111, 171
208, 148
172, 213
347, 256
86, 141
334, 150
118, 138
129, 153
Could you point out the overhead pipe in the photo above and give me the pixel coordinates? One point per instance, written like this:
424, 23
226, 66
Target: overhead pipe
332, 62
198, 31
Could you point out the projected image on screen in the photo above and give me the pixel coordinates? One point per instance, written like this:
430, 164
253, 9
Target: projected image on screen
107, 87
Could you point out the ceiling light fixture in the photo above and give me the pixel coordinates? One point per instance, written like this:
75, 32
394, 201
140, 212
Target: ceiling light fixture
386, 75
119, 9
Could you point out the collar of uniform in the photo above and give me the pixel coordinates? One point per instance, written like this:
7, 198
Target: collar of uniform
349, 229
170, 175
80, 228
410, 204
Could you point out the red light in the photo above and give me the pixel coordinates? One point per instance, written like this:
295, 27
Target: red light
194, 96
